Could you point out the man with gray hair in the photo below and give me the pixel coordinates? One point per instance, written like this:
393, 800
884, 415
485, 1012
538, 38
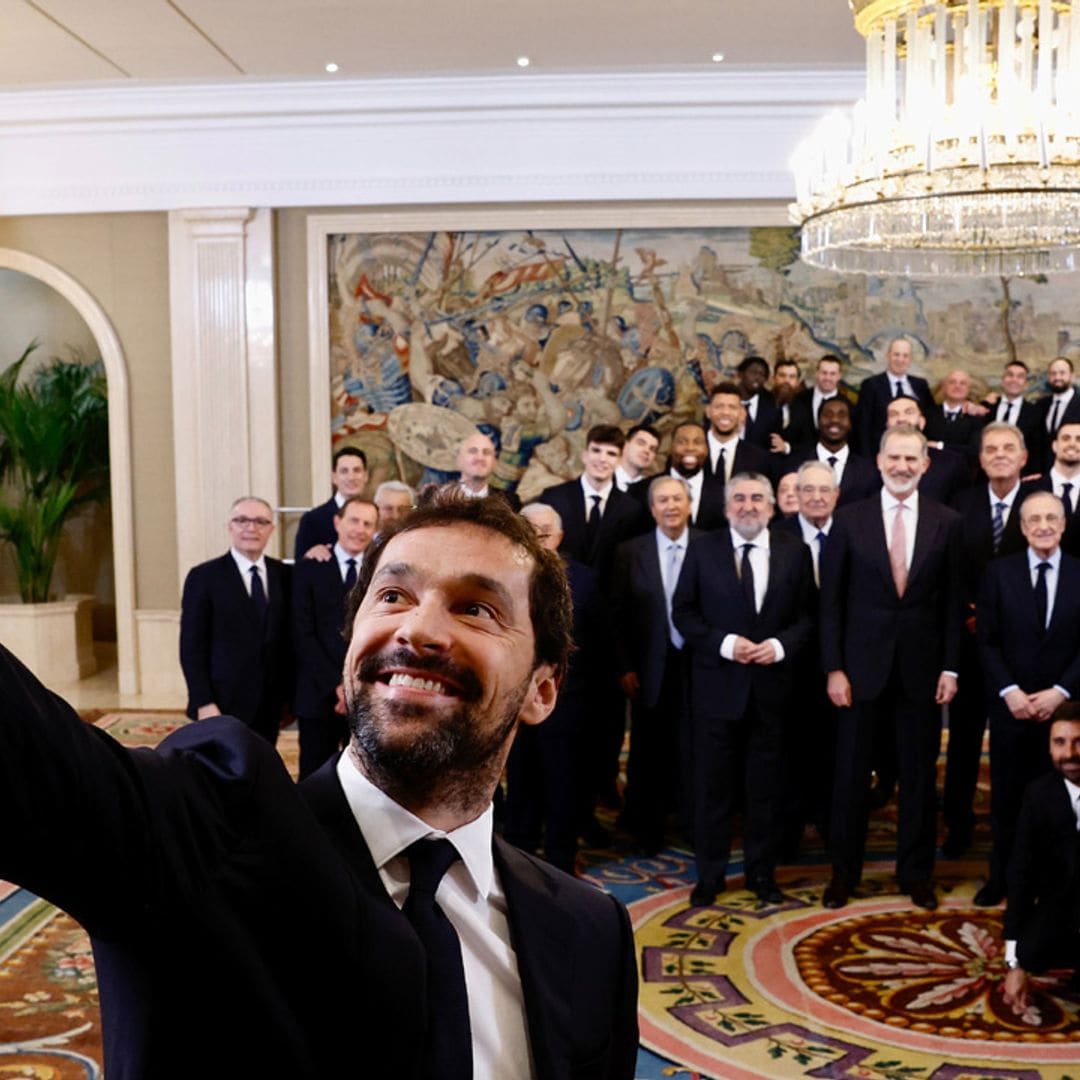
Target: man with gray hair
743, 604
393, 499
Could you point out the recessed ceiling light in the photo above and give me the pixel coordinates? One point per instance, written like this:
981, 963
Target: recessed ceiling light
522, 61
331, 68
717, 57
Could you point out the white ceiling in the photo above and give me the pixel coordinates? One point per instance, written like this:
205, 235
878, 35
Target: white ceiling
124, 42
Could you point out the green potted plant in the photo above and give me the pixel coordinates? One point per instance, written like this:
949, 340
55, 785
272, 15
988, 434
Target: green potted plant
54, 458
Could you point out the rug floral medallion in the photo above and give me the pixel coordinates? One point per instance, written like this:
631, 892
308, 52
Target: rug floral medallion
876, 990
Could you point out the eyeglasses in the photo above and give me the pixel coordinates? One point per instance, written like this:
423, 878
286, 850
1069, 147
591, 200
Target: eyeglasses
244, 522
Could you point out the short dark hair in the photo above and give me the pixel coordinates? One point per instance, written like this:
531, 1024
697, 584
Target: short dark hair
1064, 360
647, 428
550, 607
344, 451
728, 389
605, 435
750, 361
687, 424
1016, 362
784, 363
362, 499
904, 397
830, 358
836, 399
1067, 710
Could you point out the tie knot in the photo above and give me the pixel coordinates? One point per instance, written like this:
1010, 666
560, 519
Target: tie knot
428, 862
1042, 568
1001, 507
747, 548
820, 538
350, 563
832, 459
595, 500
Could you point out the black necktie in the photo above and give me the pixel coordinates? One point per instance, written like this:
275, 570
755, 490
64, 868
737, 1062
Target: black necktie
1066, 498
832, 459
592, 524
951, 417
746, 575
899, 388
1054, 417
1041, 599
448, 1047
350, 574
997, 526
721, 463
1008, 412
258, 593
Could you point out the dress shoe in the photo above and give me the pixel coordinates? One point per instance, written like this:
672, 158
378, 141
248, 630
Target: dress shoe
706, 891
955, 845
990, 895
837, 893
767, 891
922, 894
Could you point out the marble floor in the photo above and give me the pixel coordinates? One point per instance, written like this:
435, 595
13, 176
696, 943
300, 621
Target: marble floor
100, 691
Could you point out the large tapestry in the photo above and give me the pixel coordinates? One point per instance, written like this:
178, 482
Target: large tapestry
533, 337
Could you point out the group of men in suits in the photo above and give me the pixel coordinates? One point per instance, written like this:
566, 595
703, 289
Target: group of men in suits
464, 956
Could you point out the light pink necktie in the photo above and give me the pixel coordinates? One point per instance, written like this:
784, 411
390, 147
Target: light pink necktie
898, 551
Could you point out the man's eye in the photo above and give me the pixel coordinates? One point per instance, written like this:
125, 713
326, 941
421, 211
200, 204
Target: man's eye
390, 596
478, 610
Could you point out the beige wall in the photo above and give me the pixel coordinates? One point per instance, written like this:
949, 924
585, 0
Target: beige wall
122, 261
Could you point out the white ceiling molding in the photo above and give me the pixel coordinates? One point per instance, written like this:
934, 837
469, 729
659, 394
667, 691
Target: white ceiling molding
718, 135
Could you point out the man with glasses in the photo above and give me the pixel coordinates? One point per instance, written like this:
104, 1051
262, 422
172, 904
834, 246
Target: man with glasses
234, 627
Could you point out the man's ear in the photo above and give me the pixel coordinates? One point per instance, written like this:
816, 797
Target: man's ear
541, 696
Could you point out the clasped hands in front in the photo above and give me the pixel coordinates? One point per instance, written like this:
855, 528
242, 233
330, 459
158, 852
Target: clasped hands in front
753, 652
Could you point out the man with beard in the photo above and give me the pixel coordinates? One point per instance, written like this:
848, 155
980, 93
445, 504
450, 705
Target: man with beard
761, 416
855, 476
729, 452
1041, 924
743, 606
268, 891
1061, 405
786, 384
890, 640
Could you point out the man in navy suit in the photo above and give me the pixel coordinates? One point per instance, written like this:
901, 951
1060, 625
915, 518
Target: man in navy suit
1042, 929
318, 609
315, 534
990, 528
1029, 640
234, 627
762, 417
878, 390
651, 661
743, 604
890, 642
856, 476
268, 890
1011, 407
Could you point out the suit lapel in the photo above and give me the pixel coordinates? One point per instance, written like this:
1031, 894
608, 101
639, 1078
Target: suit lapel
236, 585
1066, 587
875, 527
925, 532
543, 937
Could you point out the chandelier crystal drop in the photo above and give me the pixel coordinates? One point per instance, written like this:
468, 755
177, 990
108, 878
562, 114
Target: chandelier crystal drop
963, 158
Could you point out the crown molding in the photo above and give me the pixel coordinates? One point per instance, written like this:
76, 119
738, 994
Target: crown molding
720, 134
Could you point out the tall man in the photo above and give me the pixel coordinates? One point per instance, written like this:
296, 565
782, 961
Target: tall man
234, 627
267, 889
786, 384
1029, 640
743, 605
651, 661
990, 514
1041, 925
315, 534
638, 455
807, 403
687, 461
890, 643
878, 390
318, 609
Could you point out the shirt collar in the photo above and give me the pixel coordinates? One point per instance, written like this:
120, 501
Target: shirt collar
891, 502
1064, 395
760, 541
1057, 480
1034, 560
388, 828
246, 564
344, 556
1008, 498
841, 455
590, 491
1073, 790
694, 481
810, 531
663, 541
339, 499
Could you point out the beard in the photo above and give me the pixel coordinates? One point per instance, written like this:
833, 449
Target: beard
454, 758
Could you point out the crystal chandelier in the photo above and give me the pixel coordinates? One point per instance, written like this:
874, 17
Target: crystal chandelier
964, 155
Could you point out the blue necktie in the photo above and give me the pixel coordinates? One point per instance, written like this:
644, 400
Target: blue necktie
997, 526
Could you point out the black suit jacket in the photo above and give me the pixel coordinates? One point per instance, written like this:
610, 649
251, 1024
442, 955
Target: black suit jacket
865, 627
624, 516
802, 426
766, 422
709, 604
639, 613
318, 611
316, 527
266, 893
1069, 415
861, 478
1044, 870
977, 534
1013, 646
1070, 542
875, 393
946, 477
227, 657
1027, 420
748, 458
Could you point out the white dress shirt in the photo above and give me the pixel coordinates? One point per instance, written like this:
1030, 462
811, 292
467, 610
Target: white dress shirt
623, 479
472, 897
343, 558
244, 565
470, 494
590, 491
1058, 406
759, 563
1010, 405
1008, 499
810, 539
841, 455
695, 483
905, 386
818, 400
715, 446
1057, 482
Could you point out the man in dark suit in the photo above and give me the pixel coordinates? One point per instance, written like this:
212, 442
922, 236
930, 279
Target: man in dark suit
990, 513
318, 609
857, 477
762, 415
956, 422
234, 627
947, 474
786, 385
803, 427
652, 662
1042, 929
728, 452
315, 534
638, 456
890, 643
1063, 480
1029, 640
1061, 405
743, 605
267, 890
877, 391
1011, 407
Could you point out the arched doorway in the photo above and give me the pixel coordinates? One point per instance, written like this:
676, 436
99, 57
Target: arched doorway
112, 356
